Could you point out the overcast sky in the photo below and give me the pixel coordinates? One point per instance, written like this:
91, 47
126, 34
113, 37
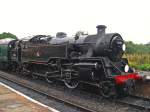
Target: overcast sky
130, 18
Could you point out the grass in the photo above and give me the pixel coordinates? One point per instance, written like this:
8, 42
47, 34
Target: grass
139, 61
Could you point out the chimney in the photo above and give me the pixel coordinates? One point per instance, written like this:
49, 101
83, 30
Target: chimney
101, 30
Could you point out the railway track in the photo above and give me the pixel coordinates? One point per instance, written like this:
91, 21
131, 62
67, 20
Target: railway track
37, 89
132, 101
135, 101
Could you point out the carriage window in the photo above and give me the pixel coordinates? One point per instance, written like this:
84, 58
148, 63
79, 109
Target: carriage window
1, 54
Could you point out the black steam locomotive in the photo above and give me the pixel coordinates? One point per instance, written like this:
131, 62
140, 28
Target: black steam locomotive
95, 59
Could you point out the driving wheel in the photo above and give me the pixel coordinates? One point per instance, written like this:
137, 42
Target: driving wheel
71, 79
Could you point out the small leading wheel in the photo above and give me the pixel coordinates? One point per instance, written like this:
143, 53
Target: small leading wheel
107, 89
48, 79
71, 79
129, 87
71, 83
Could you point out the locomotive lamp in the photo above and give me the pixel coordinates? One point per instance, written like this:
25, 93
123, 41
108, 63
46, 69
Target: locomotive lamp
123, 47
126, 68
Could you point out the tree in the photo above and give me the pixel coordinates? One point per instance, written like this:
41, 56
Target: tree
148, 43
137, 48
7, 35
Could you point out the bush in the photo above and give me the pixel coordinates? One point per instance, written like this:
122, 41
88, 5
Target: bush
7, 35
139, 61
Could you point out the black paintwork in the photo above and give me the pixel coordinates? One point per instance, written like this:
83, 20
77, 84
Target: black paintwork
91, 58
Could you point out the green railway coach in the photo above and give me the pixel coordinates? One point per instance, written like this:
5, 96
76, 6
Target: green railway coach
5, 46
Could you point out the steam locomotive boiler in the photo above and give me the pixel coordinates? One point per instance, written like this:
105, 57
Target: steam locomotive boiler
95, 59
